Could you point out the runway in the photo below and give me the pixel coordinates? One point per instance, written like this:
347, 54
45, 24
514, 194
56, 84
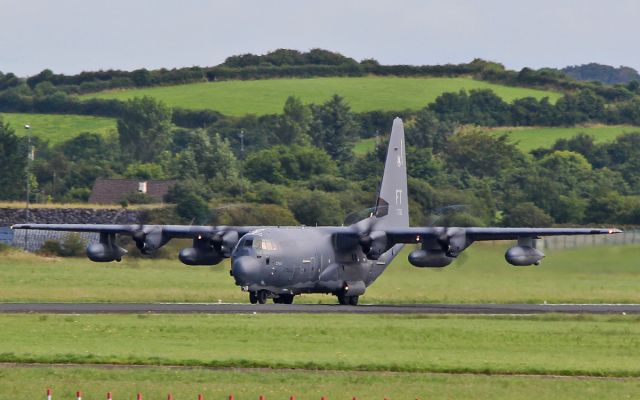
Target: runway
225, 308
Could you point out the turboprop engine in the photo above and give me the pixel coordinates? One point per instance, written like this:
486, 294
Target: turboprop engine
199, 256
438, 253
148, 241
106, 250
429, 258
209, 250
525, 253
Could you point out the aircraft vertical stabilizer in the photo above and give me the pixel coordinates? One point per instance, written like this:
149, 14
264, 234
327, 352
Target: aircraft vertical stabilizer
392, 206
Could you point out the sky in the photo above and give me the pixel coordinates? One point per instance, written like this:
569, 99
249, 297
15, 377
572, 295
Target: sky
70, 36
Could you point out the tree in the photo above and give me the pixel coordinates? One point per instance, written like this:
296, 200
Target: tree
316, 208
481, 154
294, 122
429, 132
144, 129
13, 160
526, 215
334, 129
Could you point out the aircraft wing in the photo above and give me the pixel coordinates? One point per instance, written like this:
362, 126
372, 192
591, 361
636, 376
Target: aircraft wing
169, 231
419, 234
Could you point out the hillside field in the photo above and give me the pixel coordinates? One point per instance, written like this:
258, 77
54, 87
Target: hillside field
529, 138
57, 128
363, 94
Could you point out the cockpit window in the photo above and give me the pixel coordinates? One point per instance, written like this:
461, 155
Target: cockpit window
248, 243
265, 244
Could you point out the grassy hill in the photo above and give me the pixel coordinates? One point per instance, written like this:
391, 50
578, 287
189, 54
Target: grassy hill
530, 138
363, 94
57, 128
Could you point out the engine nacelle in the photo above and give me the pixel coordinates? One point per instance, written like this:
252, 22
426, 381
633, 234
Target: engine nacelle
104, 252
429, 259
199, 256
523, 255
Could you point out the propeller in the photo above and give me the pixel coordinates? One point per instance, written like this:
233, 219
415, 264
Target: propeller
147, 238
224, 241
372, 242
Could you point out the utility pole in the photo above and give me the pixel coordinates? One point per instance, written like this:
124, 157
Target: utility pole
241, 163
28, 172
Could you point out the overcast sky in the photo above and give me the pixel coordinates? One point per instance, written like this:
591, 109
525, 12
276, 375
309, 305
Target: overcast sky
69, 36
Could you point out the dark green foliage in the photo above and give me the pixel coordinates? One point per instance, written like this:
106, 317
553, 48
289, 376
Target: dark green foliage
526, 215
193, 208
602, 73
138, 198
13, 159
315, 208
144, 129
282, 164
255, 214
334, 128
71, 246
294, 123
429, 131
481, 155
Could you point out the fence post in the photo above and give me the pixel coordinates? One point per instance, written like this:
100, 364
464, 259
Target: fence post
78, 395
139, 396
200, 397
170, 397
49, 394
109, 396
231, 397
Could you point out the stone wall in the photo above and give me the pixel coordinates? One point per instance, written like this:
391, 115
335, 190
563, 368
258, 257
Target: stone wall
10, 216
32, 240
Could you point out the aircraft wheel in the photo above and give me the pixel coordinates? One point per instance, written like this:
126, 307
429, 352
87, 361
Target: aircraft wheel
286, 298
262, 296
253, 297
342, 299
353, 300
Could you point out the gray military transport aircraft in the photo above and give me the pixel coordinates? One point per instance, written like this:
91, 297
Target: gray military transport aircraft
282, 262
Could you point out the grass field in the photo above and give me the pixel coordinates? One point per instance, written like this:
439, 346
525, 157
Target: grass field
529, 138
57, 128
599, 274
363, 94
541, 345
155, 383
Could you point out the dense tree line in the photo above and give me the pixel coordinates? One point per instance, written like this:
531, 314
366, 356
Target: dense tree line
602, 73
298, 166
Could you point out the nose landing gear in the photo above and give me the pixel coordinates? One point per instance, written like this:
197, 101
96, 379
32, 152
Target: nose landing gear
346, 300
259, 296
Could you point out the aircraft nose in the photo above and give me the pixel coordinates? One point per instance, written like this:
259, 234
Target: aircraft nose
246, 270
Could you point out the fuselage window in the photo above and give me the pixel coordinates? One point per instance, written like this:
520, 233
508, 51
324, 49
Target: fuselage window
248, 243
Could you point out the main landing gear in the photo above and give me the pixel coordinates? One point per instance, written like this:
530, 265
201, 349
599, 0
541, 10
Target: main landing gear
347, 300
260, 296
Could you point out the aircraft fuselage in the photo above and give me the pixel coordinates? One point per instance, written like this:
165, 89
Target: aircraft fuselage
291, 261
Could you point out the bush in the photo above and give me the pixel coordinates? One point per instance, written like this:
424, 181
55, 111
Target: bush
72, 246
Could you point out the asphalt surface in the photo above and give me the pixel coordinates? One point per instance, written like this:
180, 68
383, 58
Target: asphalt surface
223, 308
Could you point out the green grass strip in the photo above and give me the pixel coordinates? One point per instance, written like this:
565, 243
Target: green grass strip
606, 346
